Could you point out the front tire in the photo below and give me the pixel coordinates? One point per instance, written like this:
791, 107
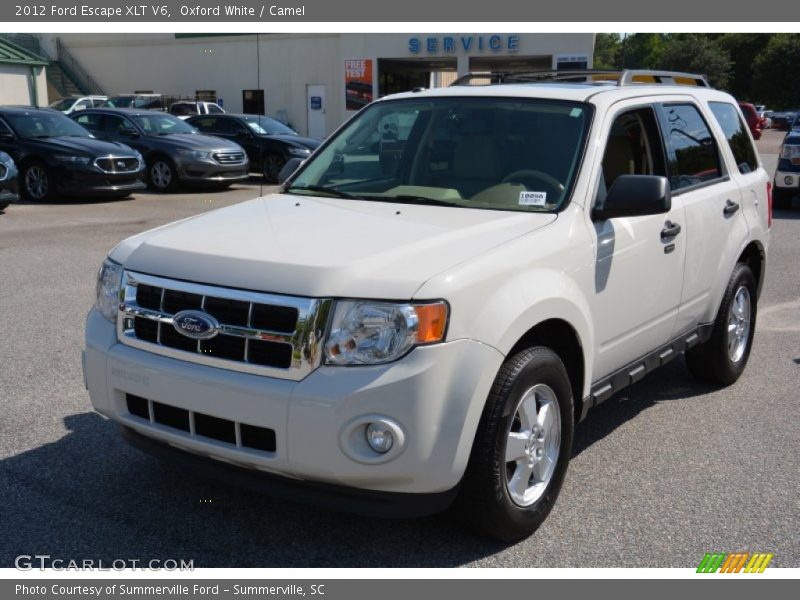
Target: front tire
722, 359
37, 182
161, 174
271, 167
522, 448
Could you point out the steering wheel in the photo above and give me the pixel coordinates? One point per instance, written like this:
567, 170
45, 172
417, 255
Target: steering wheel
528, 176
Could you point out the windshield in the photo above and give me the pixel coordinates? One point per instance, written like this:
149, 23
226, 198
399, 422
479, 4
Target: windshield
37, 125
162, 124
268, 126
494, 153
63, 104
133, 102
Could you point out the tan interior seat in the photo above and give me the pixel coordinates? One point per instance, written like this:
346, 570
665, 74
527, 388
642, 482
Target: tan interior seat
619, 159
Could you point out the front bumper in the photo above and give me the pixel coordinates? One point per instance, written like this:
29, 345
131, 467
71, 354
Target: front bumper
788, 180
435, 394
91, 182
210, 172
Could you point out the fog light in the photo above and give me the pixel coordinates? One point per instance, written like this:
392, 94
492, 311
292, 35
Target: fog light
380, 437
788, 180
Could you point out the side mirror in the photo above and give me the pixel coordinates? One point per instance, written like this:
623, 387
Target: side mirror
242, 135
129, 132
290, 167
635, 196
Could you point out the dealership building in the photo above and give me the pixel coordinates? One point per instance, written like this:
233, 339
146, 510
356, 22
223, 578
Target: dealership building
312, 81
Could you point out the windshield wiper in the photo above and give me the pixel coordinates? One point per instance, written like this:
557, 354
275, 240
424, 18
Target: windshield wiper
424, 200
325, 190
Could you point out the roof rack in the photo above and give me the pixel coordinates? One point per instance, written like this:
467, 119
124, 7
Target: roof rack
591, 76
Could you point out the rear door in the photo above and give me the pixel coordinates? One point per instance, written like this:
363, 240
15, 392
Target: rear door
712, 200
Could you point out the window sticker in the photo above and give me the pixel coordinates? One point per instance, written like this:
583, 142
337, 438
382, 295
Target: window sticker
532, 198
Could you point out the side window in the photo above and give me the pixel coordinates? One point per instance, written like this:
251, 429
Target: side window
633, 148
206, 124
5, 129
229, 126
736, 132
113, 124
693, 154
91, 122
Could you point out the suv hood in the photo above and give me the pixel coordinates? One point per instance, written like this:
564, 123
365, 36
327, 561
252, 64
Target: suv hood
82, 146
323, 247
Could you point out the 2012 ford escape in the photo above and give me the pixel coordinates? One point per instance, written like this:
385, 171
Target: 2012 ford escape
441, 292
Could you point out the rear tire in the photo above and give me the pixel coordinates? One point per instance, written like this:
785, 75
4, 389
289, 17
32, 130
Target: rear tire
522, 448
722, 359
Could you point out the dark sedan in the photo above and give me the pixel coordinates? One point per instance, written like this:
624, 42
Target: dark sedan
8, 181
56, 156
269, 143
175, 152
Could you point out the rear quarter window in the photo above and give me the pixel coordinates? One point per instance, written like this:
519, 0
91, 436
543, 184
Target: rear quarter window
736, 133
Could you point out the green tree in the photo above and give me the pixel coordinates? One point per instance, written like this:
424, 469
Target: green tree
774, 71
640, 50
607, 47
743, 48
696, 53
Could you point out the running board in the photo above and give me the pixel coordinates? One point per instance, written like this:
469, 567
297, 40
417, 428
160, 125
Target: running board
603, 389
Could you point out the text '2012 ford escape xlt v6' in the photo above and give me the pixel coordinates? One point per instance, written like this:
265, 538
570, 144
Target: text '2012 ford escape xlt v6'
441, 292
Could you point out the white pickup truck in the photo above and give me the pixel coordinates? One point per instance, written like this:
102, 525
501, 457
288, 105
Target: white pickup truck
441, 292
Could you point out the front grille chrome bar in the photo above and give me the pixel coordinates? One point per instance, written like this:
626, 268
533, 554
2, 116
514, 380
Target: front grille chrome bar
305, 341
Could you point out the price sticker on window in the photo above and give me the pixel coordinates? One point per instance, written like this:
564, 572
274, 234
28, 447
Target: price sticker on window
532, 198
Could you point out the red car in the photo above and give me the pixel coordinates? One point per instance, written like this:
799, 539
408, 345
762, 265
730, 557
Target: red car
753, 120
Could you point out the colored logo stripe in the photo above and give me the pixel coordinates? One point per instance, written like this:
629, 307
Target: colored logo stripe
735, 562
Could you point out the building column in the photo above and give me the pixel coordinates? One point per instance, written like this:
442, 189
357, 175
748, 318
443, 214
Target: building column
462, 64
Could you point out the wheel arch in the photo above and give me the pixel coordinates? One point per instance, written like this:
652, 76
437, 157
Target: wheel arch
562, 338
754, 256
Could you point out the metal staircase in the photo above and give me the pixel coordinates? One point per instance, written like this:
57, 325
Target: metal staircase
64, 72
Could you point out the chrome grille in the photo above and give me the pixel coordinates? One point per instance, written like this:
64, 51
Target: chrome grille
259, 333
118, 164
229, 158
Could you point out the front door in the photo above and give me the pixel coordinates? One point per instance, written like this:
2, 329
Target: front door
638, 267
315, 105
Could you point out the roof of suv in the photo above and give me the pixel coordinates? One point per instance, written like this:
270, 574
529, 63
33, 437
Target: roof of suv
576, 92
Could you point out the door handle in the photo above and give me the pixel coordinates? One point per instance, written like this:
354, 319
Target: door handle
730, 208
670, 230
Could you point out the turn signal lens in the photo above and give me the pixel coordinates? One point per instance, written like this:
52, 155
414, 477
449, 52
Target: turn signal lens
432, 322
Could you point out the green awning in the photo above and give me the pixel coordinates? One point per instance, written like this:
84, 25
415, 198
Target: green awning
11, 54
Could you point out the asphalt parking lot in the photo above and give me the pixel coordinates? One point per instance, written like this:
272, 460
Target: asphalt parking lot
661, 474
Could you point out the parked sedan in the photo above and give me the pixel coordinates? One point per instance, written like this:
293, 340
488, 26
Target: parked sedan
175, 153
8, 181
56, 156
268, 143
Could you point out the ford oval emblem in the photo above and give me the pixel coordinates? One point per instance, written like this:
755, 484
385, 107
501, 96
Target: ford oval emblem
195, 324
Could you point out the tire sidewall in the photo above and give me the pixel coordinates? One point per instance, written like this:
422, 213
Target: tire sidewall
741, 276
172, 182
48, 178
265, 172
553, 375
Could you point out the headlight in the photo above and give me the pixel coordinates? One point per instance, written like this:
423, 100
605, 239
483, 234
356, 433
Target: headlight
298, 151
790, 151
72, 160
108, 289
373, 333
196, 154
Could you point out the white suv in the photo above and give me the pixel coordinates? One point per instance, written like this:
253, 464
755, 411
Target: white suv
441, 292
